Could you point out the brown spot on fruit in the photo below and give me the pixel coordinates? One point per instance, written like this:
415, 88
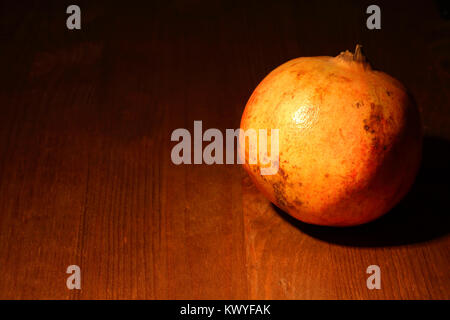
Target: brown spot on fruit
282, 173
298, 203
278, 189
376, 111
319, 93
368, 128
300, 74
375, 117
375, 121
375, 143
342, 78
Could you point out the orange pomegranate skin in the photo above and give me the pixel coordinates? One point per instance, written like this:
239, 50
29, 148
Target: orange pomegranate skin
350, 139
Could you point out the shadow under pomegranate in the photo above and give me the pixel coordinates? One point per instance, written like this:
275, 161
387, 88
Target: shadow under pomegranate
421, 216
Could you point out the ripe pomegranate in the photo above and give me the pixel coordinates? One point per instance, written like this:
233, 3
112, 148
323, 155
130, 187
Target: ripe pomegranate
350, 139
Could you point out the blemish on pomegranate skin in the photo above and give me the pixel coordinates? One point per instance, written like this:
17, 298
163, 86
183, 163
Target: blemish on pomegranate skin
283, 173
376, 120
326, 175
375, 117
368, 128
375, 143
345, 79
320, 92
300, 74
388, 93
278, 190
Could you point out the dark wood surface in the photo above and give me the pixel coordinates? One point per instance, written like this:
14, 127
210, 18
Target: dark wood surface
85, 170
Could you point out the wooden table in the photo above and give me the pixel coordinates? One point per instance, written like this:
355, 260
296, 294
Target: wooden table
86, 176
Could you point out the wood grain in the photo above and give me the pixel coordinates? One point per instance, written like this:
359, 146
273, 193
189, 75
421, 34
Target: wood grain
85, 170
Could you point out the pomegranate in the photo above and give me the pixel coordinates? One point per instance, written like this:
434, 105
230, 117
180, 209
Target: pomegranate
350, 139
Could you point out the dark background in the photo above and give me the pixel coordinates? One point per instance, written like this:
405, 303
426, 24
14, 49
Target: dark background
85, 170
